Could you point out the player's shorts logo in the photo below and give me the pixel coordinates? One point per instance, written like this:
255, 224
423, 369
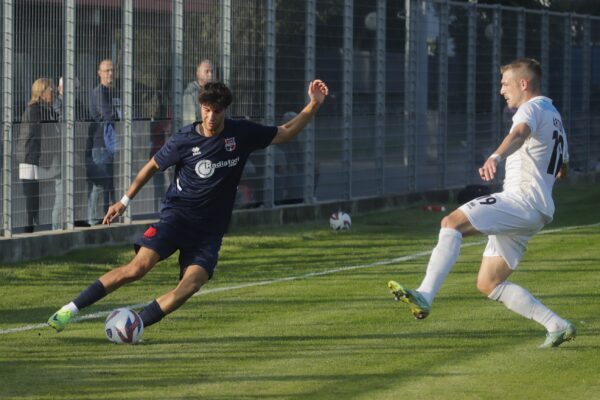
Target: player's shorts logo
204, 169
150, 232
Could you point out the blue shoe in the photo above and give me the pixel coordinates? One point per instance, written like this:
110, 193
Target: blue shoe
415, 300
60, 319
555, 339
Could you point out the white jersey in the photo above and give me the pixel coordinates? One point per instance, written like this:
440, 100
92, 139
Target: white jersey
531, 170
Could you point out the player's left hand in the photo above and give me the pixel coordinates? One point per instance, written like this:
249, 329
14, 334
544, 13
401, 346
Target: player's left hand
563, 172
114, 211
317, 90
488, 171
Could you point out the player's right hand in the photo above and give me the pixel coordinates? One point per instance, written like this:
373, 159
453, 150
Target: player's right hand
488, 171
317, 91
114, 211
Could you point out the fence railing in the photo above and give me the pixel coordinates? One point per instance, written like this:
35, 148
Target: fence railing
414, 94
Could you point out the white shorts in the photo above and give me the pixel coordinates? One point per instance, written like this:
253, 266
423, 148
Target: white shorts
509, 223
28, 172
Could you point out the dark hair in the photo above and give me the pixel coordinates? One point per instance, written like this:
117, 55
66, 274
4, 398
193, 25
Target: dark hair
527, 66
216, 94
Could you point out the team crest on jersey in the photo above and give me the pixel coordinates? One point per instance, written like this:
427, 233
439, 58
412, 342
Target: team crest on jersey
230, 144
196, 151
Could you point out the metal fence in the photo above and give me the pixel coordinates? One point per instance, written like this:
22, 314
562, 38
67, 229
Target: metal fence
414, 93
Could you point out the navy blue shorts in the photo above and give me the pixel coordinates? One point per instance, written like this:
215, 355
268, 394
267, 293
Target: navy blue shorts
195, 247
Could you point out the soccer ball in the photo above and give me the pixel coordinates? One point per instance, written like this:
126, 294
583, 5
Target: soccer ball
340, 221
123, 326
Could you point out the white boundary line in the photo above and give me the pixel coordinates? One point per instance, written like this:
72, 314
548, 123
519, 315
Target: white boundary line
410, 257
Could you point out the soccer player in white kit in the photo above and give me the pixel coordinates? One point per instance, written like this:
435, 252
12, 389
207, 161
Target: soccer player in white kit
536, 153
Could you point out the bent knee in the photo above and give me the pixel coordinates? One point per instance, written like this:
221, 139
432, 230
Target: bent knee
446, 222
486, 287
135, 271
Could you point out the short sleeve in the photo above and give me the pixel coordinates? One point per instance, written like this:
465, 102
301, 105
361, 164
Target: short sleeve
566, 151
260, 136
525, 115
168, 154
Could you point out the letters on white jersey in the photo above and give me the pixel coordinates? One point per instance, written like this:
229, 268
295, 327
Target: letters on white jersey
531, 170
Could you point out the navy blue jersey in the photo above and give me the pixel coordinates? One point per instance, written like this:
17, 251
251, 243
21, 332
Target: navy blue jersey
208, 170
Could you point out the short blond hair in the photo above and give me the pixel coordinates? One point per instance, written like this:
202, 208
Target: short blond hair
38, 88
528, 68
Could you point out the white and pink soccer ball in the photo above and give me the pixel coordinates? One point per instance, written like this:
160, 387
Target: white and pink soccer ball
123, 326
340, 221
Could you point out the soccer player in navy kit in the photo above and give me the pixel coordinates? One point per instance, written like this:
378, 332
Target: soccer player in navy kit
209, 158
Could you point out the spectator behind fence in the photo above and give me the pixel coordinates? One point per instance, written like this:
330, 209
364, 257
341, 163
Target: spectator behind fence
104, 111
191, 106
37, 119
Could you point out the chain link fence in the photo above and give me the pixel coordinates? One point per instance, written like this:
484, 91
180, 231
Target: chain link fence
414, 95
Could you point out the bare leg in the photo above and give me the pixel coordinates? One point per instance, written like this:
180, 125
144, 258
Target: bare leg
193, 278
143, 262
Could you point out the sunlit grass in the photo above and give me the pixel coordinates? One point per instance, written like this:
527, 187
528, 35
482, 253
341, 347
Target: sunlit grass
336, 335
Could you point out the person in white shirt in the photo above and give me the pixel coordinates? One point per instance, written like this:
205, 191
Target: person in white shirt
536, 153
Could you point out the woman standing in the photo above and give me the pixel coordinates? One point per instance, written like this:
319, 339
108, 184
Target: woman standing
38, 111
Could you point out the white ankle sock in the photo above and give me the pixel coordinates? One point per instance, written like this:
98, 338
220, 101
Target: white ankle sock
442, 259
519, 300
71, 307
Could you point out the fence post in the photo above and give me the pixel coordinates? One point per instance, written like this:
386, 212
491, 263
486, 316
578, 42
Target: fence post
309, 75
269, 196
443, 94
545, 51
410, 91
127, 95
496, 56
471, 88
566, 82
348, 80
586, 82
521, 33
7, 116
226, 40
68, 122
177, 71
380, 80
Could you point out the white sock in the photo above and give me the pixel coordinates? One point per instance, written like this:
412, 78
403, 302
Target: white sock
519, 300
71, 307
442, 259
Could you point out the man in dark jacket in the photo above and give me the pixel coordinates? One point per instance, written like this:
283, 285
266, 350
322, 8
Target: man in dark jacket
104, 110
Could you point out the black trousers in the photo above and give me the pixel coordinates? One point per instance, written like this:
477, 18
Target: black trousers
31, 191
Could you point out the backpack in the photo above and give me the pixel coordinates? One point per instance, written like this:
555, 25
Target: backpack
111, 141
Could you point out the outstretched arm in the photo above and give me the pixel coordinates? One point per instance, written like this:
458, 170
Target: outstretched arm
117, 209
317, 90
511, 143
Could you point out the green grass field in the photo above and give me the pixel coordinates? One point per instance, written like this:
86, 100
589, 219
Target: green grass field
300, 312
